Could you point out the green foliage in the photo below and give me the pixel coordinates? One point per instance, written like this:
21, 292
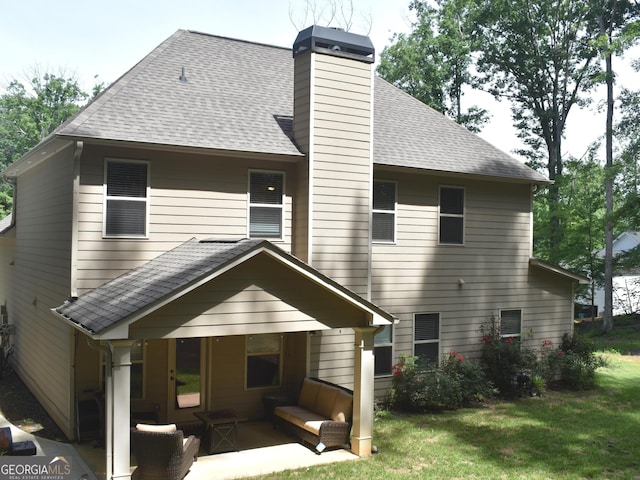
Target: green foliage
516, 370
627, 180
28, 114
573, 365
562, 436
505, 360
456, 382
432, 63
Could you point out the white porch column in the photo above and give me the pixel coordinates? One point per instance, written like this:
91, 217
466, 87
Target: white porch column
363, 392
120, 405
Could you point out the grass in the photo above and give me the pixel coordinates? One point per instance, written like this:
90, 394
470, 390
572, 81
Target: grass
563, 435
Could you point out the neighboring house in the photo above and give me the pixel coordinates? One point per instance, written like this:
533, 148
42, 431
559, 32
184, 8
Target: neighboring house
251, 216
626, 285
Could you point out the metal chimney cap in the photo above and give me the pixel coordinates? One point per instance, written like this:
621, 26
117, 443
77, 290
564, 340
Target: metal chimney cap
336, 42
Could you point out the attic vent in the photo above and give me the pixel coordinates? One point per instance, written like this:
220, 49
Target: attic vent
183, 77
336, 42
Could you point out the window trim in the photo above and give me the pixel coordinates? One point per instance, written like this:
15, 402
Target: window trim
256, 354
452, 215
384, 345
281, 206
106, 198
511, 335
393, 212
421, 342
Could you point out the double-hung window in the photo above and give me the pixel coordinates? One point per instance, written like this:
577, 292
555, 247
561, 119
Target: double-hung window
384, 211
383, 350
451, 216
510, 323
266, 204
264, 360
426, 337
126, 204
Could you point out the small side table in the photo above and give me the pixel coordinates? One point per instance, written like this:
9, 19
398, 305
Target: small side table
270, 402
220, 430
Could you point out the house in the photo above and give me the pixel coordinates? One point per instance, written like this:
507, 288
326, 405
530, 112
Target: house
229, 217
626, 285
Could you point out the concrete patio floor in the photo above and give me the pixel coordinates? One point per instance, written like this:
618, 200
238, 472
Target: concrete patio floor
262, 450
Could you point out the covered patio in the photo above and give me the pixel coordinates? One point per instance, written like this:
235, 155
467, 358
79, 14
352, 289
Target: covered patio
224, 292
262, 450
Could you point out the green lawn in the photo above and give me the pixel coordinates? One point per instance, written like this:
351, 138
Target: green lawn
563, 435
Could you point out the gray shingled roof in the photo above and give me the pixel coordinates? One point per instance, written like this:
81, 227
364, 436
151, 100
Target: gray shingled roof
168, 275
233, 98
239, 97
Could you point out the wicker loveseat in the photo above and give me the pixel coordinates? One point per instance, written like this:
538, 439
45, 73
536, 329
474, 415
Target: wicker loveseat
322, 417
162, 452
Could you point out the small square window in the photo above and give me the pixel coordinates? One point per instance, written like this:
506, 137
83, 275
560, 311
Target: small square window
510, 323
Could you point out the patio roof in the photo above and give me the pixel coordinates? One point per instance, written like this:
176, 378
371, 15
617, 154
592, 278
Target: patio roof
108, 311
549, 267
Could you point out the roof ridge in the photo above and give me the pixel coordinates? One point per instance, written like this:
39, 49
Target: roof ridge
240, 40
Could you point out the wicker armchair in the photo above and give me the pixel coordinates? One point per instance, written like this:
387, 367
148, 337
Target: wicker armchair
162, 452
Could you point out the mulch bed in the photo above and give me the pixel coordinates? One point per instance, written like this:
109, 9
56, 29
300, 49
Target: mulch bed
20, 407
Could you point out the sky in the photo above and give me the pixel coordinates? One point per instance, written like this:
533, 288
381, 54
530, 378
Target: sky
99, 41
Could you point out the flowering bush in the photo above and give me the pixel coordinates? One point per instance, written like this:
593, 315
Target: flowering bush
419, 387
474, 383
573, 365
505, 361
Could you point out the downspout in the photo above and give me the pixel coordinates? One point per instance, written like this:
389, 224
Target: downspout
108, 411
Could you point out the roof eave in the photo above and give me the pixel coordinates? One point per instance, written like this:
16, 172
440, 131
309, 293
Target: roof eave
286, 156
538, 180
38, 154
120, 329
580, 279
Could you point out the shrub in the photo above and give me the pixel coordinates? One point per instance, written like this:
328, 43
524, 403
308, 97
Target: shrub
474, 383
425, 386
573, 365
506, 362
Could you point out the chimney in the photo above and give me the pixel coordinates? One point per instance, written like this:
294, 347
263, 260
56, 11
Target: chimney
332, 124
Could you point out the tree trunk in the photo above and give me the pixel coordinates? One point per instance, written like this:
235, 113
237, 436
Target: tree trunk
607, 323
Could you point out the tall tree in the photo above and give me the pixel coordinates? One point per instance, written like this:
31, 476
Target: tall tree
29, 113
432, 63
538, 54
583, 198
616, 27
628, 169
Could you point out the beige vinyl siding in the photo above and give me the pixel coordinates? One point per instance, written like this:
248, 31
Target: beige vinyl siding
7, 246
259, 296
199, 196
418, 275
341, 175
41, 281
332, 123
332, 356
